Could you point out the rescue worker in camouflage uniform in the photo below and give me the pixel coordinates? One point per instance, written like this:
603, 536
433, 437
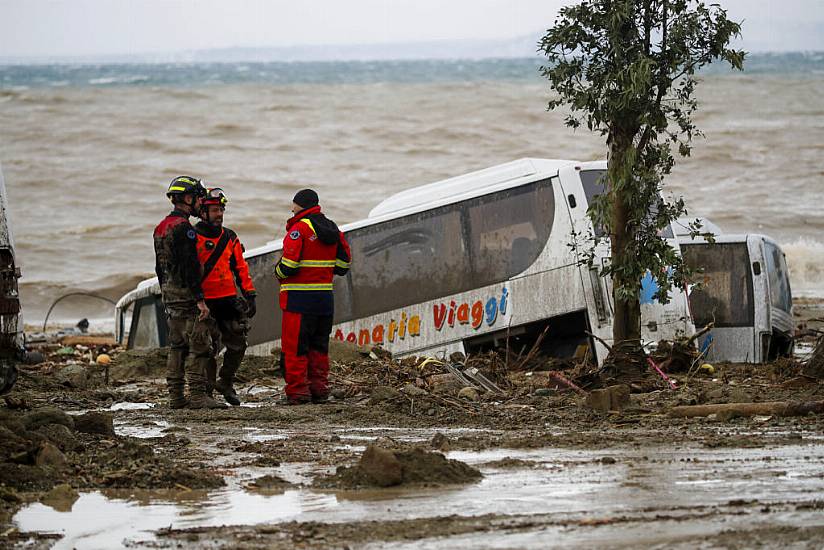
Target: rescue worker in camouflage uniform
224, 272
179, 273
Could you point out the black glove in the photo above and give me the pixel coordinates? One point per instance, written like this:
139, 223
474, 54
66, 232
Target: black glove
251, 308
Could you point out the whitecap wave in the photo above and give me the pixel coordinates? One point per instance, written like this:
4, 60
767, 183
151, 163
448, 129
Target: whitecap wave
805, 261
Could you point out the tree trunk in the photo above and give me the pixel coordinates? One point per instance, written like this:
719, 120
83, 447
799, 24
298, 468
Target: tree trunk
627, 323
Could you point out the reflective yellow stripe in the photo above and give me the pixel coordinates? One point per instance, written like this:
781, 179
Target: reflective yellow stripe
312, 227
306, 286
279, 273
289, 263
177, 188
317, 263
341, 263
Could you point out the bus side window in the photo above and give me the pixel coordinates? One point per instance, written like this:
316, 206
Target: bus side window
508, 230
408, 260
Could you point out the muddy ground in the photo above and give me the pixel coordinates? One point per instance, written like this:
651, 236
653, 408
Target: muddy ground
533, 466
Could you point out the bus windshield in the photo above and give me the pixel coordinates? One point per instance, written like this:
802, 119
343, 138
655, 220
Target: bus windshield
780, 295
725, 295
593, 184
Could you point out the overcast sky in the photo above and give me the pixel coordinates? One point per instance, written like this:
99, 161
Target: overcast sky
38, 28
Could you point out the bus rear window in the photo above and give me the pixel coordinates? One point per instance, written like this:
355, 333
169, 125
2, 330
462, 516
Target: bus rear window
144, 333
725, 296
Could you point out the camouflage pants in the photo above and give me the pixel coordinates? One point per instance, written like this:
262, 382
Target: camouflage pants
230, 333
190, 347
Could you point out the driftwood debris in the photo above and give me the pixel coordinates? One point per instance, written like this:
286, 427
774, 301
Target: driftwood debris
815, 365
777, 408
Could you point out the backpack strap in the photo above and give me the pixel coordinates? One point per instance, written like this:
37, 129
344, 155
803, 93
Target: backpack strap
210, 264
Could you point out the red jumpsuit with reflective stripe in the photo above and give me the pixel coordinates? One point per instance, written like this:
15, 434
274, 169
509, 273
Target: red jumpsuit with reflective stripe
314, 251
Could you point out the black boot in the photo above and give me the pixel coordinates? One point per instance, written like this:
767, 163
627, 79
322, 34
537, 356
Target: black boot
176, 398
225, 387
231, 363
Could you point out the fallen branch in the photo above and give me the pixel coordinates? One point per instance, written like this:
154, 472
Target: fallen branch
535, 347
700, 333
777, 408
609, 348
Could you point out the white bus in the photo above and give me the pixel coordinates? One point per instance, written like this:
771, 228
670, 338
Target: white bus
458, 265
745, 293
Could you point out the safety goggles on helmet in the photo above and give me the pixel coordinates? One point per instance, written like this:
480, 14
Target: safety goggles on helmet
214, 196
183, 185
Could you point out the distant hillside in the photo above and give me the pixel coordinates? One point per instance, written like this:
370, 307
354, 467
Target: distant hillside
772, 37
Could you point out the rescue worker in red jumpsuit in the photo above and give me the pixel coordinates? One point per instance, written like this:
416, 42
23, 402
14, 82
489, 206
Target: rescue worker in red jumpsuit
224, 272
314, 251
178, 271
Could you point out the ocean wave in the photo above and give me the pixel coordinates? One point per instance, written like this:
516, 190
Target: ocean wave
230, 129
124, 79
283, 108
805, 262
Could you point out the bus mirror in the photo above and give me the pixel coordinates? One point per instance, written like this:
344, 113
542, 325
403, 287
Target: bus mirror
572, 202
756, 268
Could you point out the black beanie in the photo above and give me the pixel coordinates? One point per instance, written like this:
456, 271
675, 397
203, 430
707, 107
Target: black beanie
306, 198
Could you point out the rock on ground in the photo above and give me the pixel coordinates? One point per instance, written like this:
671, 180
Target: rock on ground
50, 456
46, 416
613, 398
95, 423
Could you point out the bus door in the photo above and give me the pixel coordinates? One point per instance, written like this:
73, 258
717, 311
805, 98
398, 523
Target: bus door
598, 289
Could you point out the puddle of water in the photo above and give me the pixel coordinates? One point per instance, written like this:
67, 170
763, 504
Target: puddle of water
257, 390
131, 406
407, 435
156, 429
97, 521
253, 405
563, 481
257, 435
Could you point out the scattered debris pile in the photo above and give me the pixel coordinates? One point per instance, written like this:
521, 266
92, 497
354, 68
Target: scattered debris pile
815, 365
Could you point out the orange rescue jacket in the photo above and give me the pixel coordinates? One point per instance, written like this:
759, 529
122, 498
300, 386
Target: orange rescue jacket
227, 271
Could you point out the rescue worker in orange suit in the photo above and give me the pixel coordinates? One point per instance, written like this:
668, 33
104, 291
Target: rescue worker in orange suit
314, 251
224, 271
178, 271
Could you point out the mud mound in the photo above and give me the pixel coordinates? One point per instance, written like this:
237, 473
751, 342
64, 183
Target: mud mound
139, 363
44, 447
127, 463
379, 467
269, 484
